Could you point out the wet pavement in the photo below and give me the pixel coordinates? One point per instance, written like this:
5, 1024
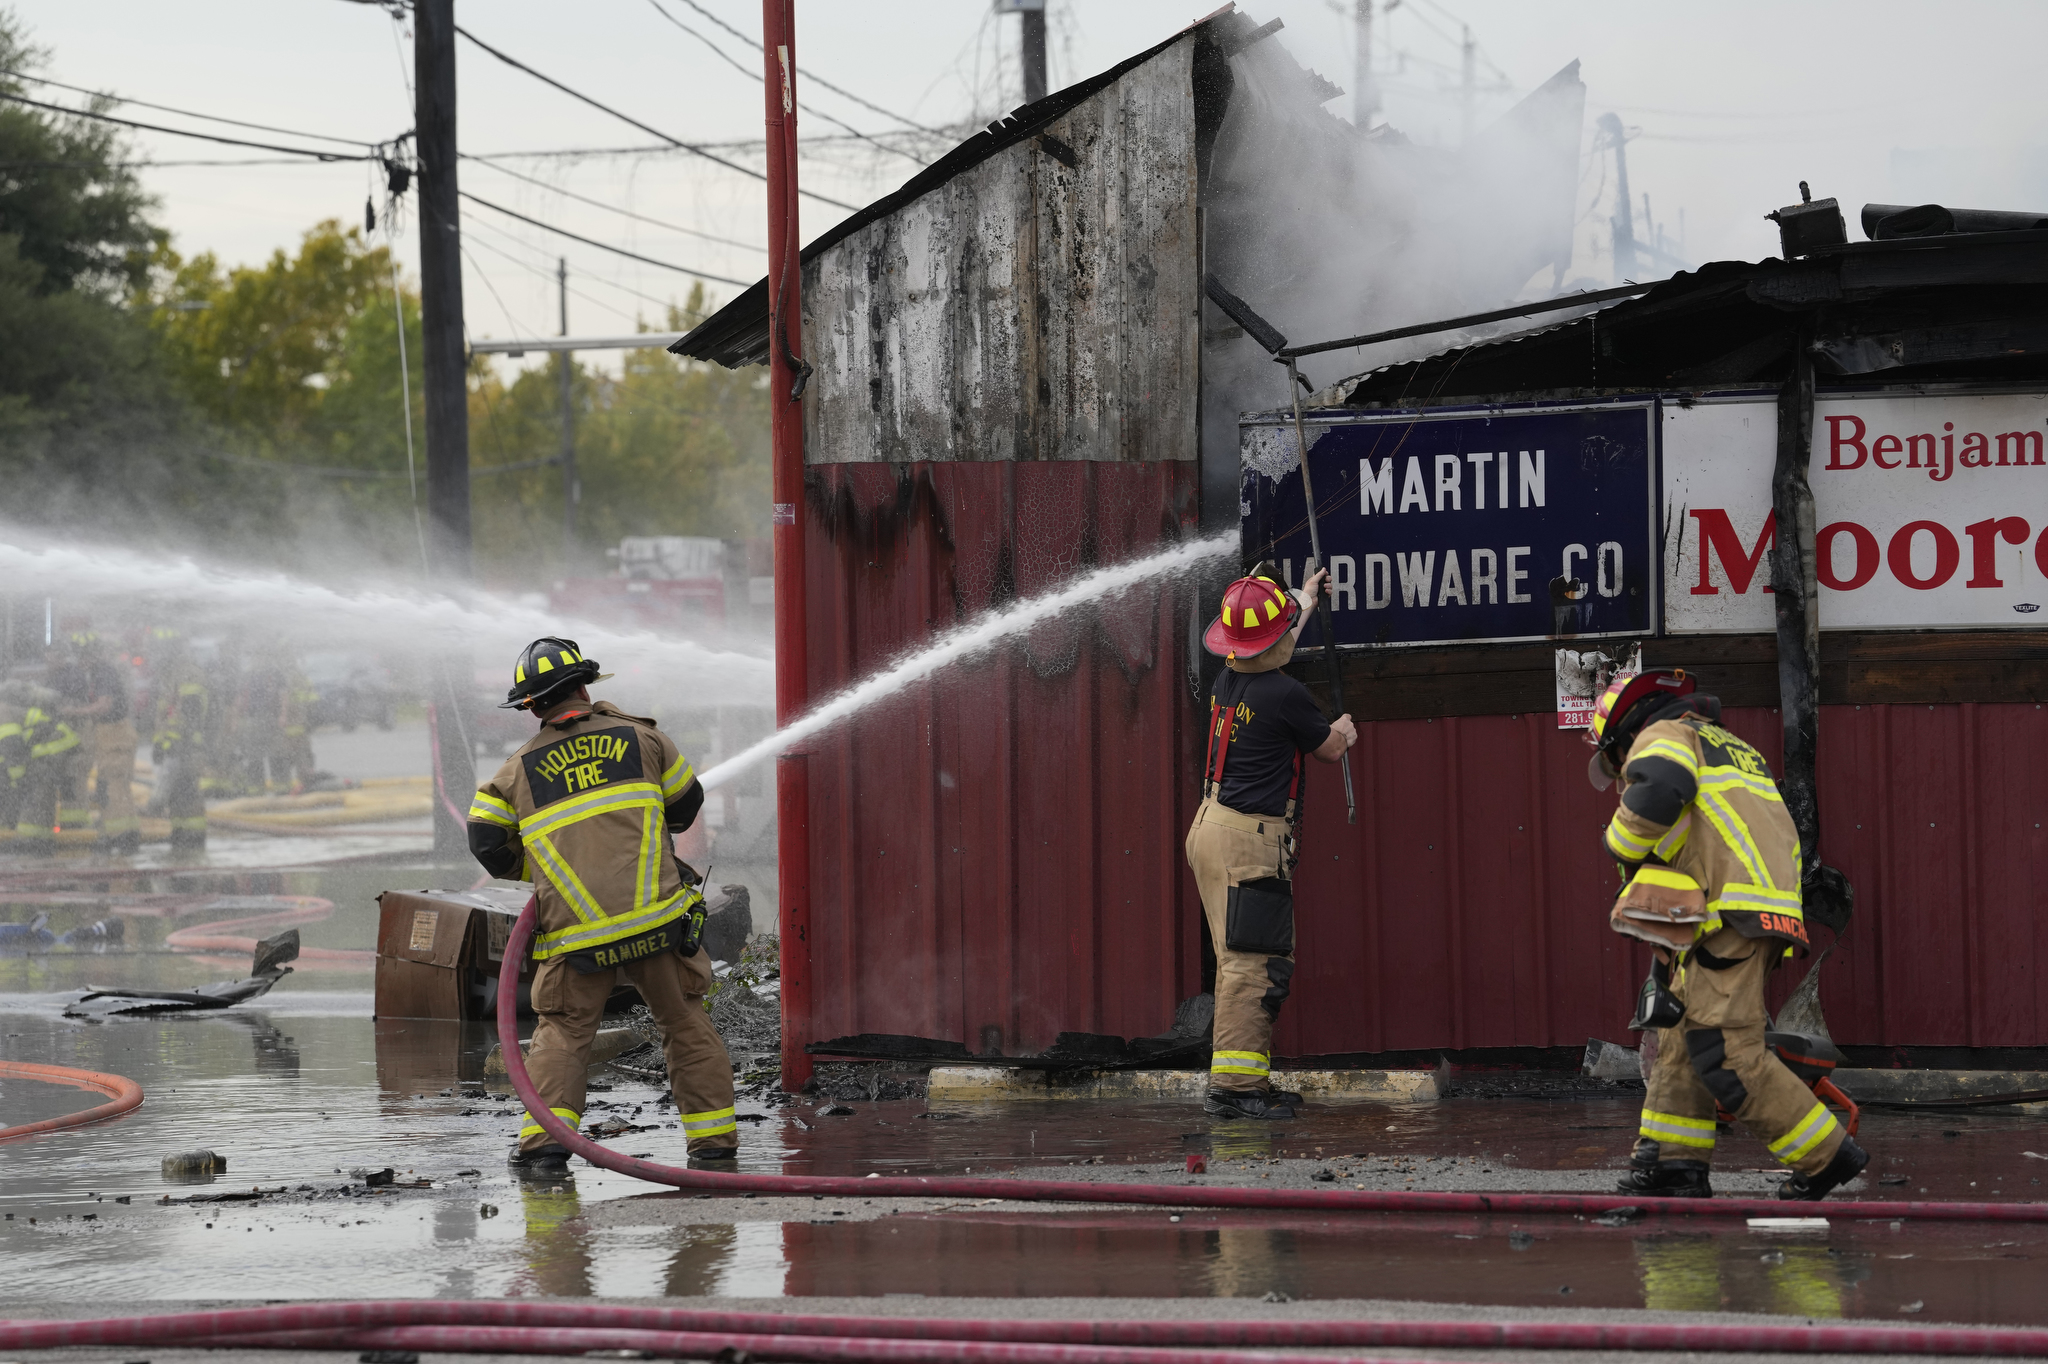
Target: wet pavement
304, 1087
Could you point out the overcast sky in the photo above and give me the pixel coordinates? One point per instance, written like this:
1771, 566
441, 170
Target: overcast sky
1731, 104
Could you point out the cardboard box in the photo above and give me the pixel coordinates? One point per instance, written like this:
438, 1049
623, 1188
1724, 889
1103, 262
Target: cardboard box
439, 952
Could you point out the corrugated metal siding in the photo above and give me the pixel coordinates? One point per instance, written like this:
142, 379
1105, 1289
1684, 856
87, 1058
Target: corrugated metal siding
996, 855
1468, 907
1026, 309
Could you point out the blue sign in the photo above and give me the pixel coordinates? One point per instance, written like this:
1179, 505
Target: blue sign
1466, 527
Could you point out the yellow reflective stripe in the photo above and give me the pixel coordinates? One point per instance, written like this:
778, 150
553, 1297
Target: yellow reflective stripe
63, 743
1729, 779
27, 830
1665, 876
565, 881
710, 1124
627, 796
1765, 899
1678, 1129
650, 864
1673, 842
1670, 749
534, 1129
189, 822
1624, 842
1239, 1063
8, 731
576, 938
678, 778
1812, 1130
488, 809
1735, 834
120, 825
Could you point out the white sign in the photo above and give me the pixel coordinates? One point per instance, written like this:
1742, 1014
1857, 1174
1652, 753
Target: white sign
1931, 512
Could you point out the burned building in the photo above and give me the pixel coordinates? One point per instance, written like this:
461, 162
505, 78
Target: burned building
1014, 378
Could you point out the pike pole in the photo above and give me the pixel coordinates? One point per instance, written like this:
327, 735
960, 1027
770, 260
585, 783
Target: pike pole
1315, 545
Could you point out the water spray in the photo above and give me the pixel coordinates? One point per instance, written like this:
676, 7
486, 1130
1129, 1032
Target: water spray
373, 617
974, 637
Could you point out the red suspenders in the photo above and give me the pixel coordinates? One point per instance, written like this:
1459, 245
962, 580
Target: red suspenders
1222, 728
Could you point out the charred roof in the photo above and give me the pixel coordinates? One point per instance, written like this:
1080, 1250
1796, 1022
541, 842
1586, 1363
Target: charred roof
1928, 309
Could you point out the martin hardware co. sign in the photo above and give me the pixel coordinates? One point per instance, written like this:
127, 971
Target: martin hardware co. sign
1544, 522
1466, 527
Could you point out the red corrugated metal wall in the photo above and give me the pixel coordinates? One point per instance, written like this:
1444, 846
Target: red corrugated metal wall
996, 856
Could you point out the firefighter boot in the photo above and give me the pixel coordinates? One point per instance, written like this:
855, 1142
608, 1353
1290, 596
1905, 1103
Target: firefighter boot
1654, 1178
1848, 1163
714, 1158
551, 1159
1245, 1103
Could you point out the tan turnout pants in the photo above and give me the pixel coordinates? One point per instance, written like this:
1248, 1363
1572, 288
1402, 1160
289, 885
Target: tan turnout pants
1225, 848
1718, 1053
571, 1005
113, 760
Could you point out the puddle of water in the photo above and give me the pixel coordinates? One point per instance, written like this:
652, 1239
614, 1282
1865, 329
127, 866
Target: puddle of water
304, 1086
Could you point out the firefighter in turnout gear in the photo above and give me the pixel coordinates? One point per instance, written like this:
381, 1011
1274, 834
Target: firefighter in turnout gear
95, 690
50, 757
1713, 865
178, 743
1241, 845
586, 810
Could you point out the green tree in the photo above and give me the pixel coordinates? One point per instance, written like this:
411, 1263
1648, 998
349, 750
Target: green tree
82, 389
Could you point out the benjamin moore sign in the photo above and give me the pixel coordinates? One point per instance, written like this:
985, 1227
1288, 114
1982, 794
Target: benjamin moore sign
1931, 511
1507, 524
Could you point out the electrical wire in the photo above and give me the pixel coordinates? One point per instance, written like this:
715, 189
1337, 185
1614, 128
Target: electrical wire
518, 65
614, 208
815, 78
757, 78
615, 250
182, 132
189, 113
470, 222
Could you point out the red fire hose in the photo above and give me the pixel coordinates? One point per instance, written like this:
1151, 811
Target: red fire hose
123, 1094
1168, 1195
572, 1328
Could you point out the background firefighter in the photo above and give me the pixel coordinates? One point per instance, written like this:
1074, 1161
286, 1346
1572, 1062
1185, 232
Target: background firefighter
587, 810
1700, 818
1241, 844
96, 701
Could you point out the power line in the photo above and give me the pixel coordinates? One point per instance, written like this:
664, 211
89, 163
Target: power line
146, 165
516, 64
615, 250
187, 113
180, 132
549, 275
756, 77
614, 208
812, 76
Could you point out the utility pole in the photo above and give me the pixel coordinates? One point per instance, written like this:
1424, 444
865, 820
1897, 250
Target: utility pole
448, 545
1469, 53
787, 375
1033, 15
571, 493
1365, 94
1623, 221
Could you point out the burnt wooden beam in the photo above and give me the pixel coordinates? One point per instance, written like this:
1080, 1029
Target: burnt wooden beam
1796, 596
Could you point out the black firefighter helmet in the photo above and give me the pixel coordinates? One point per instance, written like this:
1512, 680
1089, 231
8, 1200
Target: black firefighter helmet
547, 668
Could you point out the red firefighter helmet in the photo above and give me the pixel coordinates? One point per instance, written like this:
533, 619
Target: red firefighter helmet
1256, 612
1619, 714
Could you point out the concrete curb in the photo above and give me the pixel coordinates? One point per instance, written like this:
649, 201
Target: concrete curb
1878, 1085
956, 1084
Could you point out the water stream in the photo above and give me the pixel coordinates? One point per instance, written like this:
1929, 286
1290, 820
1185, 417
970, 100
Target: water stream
973, 637
375, 617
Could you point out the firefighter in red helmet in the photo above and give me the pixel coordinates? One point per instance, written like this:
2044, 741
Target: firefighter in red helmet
1241, 845
1712, 861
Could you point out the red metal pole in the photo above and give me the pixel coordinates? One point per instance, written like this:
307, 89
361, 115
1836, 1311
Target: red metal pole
786, 415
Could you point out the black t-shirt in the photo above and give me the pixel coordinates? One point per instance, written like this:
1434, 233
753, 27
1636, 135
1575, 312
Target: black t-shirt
85, 680
1276, 718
